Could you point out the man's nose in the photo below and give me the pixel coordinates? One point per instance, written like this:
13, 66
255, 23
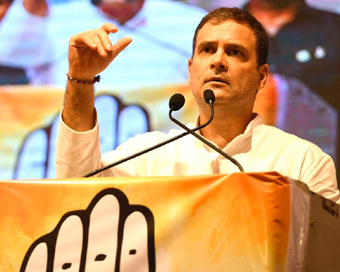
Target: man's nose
219, 61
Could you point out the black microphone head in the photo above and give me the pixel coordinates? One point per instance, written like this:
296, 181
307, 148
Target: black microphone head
176, 102
209, 95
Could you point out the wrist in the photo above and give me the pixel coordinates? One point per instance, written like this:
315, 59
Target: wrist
87, 81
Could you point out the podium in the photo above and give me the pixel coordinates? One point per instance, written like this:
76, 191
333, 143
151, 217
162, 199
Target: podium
236, 222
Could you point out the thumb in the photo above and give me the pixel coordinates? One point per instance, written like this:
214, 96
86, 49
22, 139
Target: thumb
120, 45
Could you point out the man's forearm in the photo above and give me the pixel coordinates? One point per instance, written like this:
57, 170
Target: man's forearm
78, 112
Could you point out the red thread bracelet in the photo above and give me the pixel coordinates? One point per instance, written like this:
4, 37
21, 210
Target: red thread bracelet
96, 79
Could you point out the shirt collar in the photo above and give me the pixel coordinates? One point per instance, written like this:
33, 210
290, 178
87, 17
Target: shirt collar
139, 19
238, 144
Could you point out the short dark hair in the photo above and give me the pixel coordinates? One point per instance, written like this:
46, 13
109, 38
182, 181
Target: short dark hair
242, 17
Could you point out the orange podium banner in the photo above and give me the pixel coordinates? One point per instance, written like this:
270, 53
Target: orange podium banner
237, 222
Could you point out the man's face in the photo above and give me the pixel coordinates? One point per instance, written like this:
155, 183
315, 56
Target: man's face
120, 10
225, 61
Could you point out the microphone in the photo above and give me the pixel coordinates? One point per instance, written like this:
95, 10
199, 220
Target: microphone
176, 102
209, 98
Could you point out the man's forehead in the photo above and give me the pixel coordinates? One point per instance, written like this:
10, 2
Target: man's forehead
225, 29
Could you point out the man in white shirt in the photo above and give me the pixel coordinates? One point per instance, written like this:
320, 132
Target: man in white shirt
44, 53
229, 56
22, 34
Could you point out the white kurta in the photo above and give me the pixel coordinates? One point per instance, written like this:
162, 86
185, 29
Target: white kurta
260, 148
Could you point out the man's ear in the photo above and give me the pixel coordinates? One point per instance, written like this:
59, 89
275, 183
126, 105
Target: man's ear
263, 72
189, 69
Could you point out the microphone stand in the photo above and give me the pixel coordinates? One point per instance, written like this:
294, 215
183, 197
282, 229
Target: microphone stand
192, 132
94, 172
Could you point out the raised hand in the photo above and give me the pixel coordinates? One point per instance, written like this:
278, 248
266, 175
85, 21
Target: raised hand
92, 51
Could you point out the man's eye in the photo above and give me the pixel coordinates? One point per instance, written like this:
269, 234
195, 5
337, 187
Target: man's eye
235, 52
206, 49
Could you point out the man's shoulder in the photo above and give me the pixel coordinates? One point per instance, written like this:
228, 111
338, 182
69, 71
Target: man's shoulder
322, 16
290, 141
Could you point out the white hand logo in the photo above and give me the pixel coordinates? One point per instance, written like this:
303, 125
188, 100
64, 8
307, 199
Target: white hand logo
110, 235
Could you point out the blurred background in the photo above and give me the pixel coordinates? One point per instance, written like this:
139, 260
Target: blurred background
301, 96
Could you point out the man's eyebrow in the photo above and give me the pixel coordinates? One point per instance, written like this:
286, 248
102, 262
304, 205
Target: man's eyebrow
237, 46
206, 43
228, 45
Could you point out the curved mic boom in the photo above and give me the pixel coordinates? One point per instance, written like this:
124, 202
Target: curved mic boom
209, 97
176, 103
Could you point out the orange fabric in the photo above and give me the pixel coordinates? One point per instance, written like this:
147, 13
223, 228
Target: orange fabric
204, 223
